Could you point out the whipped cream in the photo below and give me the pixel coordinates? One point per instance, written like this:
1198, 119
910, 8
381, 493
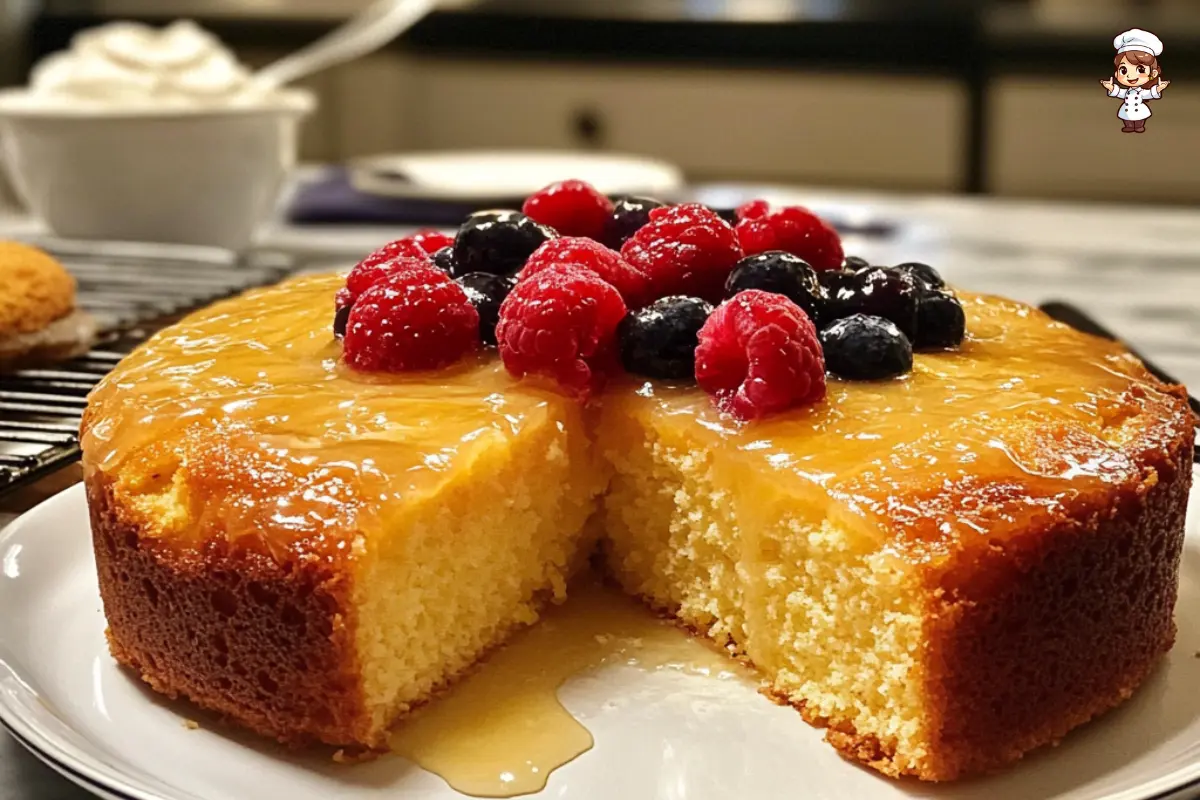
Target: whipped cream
130, 64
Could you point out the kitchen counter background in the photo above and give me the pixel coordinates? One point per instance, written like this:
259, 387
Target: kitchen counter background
998, 97
1136, 269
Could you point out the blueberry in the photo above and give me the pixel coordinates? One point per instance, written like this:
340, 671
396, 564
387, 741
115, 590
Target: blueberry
941, 322
862, 347
498, 242
838, 288
778, 272
877, 291
486, 292
340, 319
727, 214
855, 262
926, 276
832, 279
444, 259
629, 214
659, 341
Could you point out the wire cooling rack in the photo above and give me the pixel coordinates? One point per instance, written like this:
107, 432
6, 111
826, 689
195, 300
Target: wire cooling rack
131, 290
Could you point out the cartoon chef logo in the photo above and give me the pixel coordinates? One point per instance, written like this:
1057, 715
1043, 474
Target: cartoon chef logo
1136, 78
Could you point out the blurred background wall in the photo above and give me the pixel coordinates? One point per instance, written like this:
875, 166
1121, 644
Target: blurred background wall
995, 97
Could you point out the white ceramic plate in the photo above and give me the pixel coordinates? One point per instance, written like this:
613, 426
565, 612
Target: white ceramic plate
658, 735
503, 175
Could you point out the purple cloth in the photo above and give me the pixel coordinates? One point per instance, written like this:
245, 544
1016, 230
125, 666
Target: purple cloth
331, 199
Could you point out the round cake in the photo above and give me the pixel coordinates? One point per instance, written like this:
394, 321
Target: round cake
946, 568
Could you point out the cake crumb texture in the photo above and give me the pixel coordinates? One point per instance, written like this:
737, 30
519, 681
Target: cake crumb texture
471, 564
936, 668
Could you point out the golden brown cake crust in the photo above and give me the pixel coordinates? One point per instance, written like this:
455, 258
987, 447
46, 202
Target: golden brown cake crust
269, 645
1032, 637
37, 289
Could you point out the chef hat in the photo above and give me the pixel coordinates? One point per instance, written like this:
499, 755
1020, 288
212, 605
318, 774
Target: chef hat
1138, 39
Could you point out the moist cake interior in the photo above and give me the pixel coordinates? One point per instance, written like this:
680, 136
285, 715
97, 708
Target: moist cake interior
820, 543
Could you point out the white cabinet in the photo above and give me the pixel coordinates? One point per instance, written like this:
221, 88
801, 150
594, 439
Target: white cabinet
773, 125
869, 130
1057, 137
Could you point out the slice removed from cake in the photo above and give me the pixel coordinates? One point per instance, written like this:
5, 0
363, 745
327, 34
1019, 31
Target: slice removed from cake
946, 570
311, 551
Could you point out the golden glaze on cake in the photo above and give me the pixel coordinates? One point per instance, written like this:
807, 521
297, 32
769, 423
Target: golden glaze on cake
1016, 510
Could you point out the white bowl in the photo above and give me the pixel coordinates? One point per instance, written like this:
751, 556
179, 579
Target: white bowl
206, 176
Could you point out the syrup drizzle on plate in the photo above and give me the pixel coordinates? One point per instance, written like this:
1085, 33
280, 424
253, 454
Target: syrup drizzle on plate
502, 730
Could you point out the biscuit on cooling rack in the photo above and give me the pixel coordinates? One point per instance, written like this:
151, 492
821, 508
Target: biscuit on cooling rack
38, 318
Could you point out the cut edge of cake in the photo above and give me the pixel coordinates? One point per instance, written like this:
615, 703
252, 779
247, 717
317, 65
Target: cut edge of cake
912, 667
334, 648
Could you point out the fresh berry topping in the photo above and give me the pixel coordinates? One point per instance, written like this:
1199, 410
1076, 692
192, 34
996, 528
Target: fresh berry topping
753, 209
593, 256
730, 215
444, 259
401, 248
759, 354
941, 322
926, 276
838, 288
487, 292
866, 348
659, 341
629, 215
877, 291
796, 230
684, 250
855, 263
497, 242
781, 273
412, 320
561, 322
342, 303
573, 208
341, 318
834, 279
371, 271
430, 240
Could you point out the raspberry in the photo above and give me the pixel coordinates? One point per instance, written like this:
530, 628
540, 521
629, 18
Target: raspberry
753, 209
593, 257
401, 247
370, 271
429, 240
795, 230
561, 322
684, 250
759, 354
573, 208
413, 319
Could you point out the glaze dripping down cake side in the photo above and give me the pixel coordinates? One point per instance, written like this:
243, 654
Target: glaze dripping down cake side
947, 569
946, 572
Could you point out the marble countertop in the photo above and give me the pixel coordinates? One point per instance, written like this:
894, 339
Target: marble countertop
1136, 269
